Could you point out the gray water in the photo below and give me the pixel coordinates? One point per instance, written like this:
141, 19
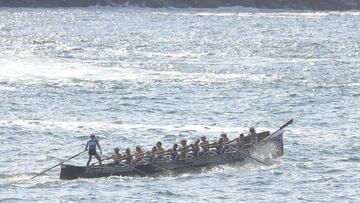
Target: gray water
134, 76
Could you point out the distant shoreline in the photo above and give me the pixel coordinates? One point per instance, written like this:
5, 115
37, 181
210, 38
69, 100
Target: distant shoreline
334, 5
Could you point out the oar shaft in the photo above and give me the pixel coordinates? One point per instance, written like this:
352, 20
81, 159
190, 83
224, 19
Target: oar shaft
249, 156
141, 172
282, 127
157, 166
45, 171
57, 165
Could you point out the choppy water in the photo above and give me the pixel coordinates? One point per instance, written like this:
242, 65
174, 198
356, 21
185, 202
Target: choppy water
134, 76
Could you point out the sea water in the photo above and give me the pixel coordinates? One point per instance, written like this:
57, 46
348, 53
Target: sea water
134, 76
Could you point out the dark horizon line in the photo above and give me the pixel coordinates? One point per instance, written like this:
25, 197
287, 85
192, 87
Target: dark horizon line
334, 5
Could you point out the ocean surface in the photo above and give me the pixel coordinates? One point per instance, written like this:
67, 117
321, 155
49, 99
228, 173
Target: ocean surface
134, 76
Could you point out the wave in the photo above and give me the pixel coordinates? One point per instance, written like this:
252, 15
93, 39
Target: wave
269, 4
32, 70
99, 126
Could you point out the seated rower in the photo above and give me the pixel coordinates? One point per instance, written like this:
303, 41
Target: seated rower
138, 155
224, 136
195, 148
226, 141
152, 155
240, 142
159, 150
116, 156
174, 152
253, 136
219, 146
183, 149
128, 157
204, 145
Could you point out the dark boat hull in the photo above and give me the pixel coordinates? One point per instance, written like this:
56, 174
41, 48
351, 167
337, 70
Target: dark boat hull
69, 172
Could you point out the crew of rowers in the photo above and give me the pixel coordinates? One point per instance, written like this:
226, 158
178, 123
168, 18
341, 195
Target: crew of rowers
180, 153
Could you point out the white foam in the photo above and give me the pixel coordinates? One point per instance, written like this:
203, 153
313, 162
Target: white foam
46, 70
6, 88
98, 126
355, 84
256, 12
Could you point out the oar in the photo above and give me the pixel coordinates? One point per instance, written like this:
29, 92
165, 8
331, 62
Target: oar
126, 165
157, 166
219, 155
153, 164
57, 165
282, 127
249, 156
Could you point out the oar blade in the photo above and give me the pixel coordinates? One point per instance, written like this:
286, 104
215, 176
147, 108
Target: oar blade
287, 123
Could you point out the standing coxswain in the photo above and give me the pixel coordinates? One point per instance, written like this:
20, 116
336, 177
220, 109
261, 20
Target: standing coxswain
91, 146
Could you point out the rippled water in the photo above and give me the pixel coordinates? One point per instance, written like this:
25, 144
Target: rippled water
134, 76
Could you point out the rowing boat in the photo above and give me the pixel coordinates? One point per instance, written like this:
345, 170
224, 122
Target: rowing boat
265, 139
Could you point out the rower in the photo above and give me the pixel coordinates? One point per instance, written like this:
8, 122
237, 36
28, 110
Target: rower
195, 148
159, 150
138, 154
240, 141
253, 136
174, 152
91, 146
226, 141
116, 156
219, 146
183, 149
204, 145
128, 157
224, 136
152, 155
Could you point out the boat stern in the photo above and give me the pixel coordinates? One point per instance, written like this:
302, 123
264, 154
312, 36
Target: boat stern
69, 172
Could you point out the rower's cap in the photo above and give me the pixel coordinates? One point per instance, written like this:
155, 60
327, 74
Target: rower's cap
116, 149
223, 135
203, 137
242, 135
92, 135
252, 129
